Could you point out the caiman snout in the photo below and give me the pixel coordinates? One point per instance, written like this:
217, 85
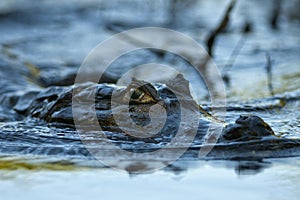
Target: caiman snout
247, 127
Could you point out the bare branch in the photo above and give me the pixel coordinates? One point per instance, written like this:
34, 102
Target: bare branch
221, 27
269, 74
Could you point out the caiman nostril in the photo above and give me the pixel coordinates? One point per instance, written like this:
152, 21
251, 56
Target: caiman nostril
243, 117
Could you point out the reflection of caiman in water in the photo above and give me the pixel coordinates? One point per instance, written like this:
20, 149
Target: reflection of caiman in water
248, 137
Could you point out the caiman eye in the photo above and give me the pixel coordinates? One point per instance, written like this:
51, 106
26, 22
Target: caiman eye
142, 92
137, 94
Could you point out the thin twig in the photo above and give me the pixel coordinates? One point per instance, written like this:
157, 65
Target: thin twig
269, 74
275, 14
235, 53
221, 26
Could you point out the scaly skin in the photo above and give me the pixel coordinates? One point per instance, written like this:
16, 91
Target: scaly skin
55, 105
247, 127
248, 137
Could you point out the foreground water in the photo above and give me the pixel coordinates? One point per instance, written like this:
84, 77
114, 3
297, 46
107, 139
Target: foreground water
46, 40
276, 179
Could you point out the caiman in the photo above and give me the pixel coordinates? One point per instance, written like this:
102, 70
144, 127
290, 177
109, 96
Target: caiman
249, 137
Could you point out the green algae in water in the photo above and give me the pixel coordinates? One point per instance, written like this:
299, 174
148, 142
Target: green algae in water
12, 164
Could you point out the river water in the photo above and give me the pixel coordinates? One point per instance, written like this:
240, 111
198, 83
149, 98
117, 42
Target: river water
47, 38
203, 180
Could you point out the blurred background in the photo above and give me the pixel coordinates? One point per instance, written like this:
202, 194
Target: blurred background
255, 45
56, 36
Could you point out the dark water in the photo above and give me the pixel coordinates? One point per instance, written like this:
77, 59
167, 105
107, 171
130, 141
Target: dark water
41, 41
